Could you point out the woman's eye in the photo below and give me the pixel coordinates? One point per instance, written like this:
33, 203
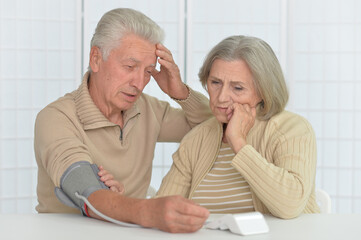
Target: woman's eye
215, 82
238, 88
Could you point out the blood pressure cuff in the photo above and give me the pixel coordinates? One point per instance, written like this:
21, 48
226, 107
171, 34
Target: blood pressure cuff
81, 177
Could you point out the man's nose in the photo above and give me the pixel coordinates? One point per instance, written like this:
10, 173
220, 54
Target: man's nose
139, 80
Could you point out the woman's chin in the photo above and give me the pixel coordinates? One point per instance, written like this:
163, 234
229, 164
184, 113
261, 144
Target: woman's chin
222, 119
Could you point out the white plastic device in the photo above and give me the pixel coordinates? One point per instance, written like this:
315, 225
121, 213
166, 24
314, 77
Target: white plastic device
240, 223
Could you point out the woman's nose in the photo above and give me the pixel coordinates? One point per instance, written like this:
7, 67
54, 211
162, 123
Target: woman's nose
224, 95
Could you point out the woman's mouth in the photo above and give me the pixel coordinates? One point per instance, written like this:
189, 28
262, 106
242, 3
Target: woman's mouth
222, 109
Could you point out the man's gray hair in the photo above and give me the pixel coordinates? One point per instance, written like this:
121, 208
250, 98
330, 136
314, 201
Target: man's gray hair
264, 65
115, 24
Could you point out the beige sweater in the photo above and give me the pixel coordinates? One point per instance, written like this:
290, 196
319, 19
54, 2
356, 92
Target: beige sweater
278, 162
73, 129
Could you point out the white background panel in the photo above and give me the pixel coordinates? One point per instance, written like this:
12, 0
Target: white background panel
44, 47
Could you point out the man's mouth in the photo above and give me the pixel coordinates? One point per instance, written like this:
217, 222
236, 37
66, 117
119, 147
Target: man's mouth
129, 96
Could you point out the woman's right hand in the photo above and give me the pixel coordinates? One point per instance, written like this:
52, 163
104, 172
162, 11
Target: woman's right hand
241, 118
109, 181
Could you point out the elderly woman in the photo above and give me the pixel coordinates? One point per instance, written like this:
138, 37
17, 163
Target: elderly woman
252, 155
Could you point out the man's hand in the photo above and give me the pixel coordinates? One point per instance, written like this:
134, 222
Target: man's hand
169, 78
241, 118
109, 181
173, 214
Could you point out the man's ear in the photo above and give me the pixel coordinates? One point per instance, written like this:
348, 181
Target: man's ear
95, 58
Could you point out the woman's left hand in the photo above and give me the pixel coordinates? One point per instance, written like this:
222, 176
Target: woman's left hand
241, 118
109, 181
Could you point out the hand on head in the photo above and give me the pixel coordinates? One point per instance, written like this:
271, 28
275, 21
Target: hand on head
169, 78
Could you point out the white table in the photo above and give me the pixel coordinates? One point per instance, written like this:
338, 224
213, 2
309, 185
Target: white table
69, 226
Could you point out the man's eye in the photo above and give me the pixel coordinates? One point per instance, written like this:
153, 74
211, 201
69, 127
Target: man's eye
238, 88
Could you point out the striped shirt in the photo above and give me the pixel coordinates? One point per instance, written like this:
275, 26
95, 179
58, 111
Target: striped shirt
224, 190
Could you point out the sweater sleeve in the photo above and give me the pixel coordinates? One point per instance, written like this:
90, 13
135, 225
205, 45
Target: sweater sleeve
56, 143
283, 181
194, 156
178, 179
196, 108
177, 122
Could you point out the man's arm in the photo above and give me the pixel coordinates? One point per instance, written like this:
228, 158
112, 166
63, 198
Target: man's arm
194, 104
171, 214
195, 216
54, 131
81, 184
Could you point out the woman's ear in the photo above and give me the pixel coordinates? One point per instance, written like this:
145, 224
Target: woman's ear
261, 104
95, 58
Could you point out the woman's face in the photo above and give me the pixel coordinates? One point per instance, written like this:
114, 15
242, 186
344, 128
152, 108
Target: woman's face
230, 82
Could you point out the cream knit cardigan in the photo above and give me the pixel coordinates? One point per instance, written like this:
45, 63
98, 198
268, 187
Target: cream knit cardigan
278, 162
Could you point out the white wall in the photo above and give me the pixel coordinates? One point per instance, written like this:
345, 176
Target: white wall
44, 46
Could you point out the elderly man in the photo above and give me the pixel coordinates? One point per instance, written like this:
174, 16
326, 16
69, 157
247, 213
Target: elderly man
109, 122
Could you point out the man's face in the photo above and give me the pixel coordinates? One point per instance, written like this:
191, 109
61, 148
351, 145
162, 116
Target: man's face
122, 77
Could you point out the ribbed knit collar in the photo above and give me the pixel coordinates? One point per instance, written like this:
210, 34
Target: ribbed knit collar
89, 114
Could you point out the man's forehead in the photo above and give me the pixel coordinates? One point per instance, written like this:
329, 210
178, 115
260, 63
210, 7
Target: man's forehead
134, 41
137, 61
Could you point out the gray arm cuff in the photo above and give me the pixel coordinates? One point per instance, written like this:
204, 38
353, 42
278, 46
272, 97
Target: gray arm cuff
81, 177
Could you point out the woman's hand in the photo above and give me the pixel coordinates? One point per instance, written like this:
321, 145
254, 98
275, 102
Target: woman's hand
241, 118
169, 78
109, 181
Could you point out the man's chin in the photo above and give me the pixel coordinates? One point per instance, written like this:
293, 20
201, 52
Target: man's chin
126, 105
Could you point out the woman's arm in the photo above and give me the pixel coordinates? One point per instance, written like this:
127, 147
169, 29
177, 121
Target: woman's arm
282, 180
178, 179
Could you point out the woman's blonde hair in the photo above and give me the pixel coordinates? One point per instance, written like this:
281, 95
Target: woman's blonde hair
264, 65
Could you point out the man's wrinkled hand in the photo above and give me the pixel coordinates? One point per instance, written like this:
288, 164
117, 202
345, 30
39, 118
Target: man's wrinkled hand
174, 214
169, 78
